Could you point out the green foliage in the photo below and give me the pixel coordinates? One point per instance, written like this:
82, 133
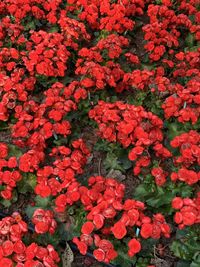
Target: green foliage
176, 128
148, 248
74, 229
40, 202
7, 203
160, 197
187, 246
31, 23
142, 262
123, 260
47, 238
189, 40
145, 99
14, 151
116, 157
27, 184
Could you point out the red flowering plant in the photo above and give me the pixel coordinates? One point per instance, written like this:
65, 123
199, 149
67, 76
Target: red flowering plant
9, 172
102, 217
131, 126
122, 79
48, 54
15, 252
43, 221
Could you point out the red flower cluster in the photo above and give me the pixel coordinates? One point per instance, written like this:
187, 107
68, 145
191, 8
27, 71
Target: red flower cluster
134, 247
131, 125
72, 30
184, 103
163, 31
188, 176
13, 251
104, 203
44, 221
9, 174
138, 79
53, 54
52, 180
48, 54
13, 228
13, 88
189, 211
39, 122
160, 175
113, 16
155, 228
189, 146
90, 64
38, 9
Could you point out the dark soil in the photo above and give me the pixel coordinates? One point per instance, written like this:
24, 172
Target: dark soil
84, 261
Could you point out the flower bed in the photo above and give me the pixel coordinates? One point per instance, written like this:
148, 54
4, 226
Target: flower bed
90, 89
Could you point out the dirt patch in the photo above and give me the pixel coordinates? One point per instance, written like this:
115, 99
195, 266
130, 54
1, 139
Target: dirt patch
84, 261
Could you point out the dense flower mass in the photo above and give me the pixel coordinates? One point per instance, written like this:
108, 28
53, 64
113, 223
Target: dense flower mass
14, 252
188, 211
131, 126
9, 172
44, 221
88, 88
108, 195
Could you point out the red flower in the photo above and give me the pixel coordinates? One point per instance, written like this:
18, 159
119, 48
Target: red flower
119, 230
43, 190
31, 251
99, 254
41, 227
134, 247
189, 217
5, 262
180, 56
7, 248
146, 230
98, 221
19, 247
44, 222
87, 228
177, 203
81, 245
3, 150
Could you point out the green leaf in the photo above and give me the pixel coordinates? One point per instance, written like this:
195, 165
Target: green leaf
160, 199
42, 202
27, 184
180, 250
142, 262
123, 260
141, 192
111, 162
196, 260
6, 203
47, 238
126, 163
14, 151
189, 40
187, 248
30, 26
181, 233
30, 210
183, 263
194, 264
54, 29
